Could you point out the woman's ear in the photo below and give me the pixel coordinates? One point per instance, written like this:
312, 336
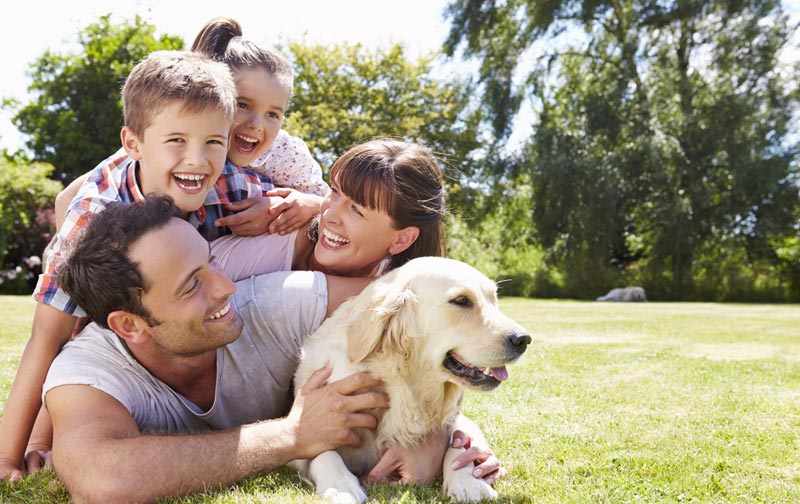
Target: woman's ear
131, 328
130, 142
404, 239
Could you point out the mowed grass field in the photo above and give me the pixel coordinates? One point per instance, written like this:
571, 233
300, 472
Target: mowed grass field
612, 403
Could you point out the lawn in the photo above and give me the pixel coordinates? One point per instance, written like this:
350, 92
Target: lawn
613, 402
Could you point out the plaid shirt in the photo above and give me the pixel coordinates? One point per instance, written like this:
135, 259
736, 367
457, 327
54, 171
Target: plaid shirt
114, 180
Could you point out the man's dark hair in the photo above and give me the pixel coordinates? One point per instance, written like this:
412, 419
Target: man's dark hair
98, 274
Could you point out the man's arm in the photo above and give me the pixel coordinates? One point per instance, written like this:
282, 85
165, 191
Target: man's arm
101, 455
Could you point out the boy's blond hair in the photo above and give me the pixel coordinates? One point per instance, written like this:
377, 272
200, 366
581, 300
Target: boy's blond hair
165, 77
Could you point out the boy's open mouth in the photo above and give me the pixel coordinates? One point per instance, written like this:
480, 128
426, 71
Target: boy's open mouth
189, 181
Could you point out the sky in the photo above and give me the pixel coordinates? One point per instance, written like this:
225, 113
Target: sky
36, 26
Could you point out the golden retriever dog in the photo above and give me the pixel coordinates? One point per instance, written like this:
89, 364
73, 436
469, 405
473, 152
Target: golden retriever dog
429, 330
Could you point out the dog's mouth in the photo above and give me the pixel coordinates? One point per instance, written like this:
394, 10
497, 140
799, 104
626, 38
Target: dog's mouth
486, 378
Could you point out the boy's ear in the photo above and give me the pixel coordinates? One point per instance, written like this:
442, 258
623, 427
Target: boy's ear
130, 142
131, 328
404, 239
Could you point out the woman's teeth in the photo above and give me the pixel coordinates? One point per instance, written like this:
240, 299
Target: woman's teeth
333, 239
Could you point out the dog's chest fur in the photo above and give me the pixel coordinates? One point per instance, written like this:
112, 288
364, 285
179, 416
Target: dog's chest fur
419, 403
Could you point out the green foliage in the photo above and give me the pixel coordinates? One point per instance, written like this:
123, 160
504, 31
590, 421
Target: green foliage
664, 151
26, 199
345, 94
74, 119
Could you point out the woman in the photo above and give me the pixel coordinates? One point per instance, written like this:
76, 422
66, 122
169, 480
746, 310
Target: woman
385, 208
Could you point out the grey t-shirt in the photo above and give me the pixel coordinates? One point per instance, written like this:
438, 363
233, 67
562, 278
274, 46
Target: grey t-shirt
254, 373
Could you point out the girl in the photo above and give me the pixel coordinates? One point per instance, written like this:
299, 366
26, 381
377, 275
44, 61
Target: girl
264, 81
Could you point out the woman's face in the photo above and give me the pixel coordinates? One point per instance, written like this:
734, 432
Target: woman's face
353, 239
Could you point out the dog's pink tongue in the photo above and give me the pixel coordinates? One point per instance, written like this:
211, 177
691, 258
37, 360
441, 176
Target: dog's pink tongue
499, 373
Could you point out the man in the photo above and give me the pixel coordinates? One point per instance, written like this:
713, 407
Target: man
177, 348
173, 350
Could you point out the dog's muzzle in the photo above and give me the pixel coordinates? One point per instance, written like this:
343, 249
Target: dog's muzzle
517, 343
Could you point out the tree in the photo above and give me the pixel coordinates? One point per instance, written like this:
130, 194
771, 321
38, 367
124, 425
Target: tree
664, 145
344, 94
74, 119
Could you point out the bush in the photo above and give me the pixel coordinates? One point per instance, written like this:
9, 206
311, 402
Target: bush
26, 222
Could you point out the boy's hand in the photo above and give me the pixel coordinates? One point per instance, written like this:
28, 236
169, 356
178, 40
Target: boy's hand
10, 471
304, 207
253, 215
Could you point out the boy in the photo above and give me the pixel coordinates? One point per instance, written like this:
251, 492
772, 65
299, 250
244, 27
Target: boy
178, 108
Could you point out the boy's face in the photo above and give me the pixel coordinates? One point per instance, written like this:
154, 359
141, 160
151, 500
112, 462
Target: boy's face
181, 154
260, 108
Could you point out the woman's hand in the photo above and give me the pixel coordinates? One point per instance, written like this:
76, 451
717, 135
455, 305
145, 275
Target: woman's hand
487, 466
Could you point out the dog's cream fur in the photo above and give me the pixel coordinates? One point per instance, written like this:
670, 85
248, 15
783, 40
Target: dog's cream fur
402, 329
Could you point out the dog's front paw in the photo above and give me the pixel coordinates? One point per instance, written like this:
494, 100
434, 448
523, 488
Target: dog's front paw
346, 490
462, 486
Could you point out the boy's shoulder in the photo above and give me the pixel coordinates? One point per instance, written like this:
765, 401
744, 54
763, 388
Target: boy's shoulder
235, 183
111, 180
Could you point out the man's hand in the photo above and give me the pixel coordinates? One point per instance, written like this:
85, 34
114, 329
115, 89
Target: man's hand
303, 207
487, 466
253, 215
324, 416
10, 471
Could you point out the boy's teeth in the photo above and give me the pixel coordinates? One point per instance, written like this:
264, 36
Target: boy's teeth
189, 176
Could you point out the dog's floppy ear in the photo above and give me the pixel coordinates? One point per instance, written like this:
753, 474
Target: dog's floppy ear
385, 321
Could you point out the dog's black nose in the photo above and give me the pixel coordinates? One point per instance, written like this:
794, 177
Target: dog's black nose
518, 342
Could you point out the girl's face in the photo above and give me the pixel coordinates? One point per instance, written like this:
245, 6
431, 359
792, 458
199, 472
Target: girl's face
260, 110
353, 240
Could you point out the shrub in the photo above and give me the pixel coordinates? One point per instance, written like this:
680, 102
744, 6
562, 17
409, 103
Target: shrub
26, 222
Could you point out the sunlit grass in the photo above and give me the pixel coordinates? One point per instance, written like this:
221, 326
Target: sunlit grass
613, 402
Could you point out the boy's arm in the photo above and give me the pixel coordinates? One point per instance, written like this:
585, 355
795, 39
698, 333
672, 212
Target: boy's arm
101, 456
65, 197
51, 329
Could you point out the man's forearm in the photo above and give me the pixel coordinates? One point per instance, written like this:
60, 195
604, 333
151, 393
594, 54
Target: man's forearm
147, 467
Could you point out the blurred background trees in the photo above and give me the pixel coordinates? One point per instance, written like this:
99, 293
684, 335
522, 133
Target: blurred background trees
663, 145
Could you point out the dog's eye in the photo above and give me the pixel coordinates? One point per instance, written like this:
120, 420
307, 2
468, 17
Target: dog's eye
462, 301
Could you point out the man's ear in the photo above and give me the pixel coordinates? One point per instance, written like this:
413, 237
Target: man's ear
131, 328
130, 142
404, 239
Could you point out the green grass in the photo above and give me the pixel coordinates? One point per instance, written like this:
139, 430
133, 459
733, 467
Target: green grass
612, 403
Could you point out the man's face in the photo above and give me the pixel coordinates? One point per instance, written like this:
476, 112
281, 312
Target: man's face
181, 154
188, 297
